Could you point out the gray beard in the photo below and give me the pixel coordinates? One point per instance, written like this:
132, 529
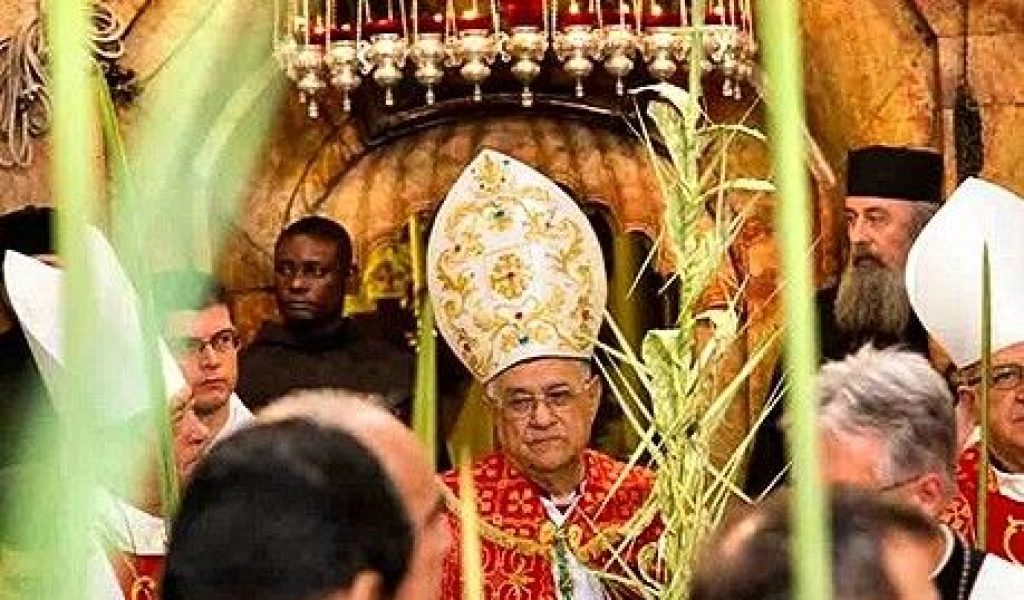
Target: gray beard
871, 300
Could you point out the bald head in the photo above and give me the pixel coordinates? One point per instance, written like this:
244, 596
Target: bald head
365, 417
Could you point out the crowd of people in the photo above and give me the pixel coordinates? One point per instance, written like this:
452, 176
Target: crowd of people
302, 482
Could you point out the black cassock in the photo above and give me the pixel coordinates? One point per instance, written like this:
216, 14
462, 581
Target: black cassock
768, 457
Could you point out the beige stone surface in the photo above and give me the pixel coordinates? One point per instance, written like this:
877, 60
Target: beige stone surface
15, 14
869, 75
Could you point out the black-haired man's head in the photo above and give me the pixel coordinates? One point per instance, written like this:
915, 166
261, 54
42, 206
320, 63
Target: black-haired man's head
289, 510
312, 260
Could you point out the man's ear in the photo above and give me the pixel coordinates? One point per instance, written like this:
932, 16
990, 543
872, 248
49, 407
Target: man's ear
365, 586
596, 390
967, 401
931, 494
966, 415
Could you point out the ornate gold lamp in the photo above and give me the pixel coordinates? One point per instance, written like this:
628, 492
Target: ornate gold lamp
428, 51
526, 44
577, 42
320, 55
476, 46
620, 45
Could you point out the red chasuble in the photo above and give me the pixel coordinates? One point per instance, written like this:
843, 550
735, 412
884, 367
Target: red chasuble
138, 576
1005, 536
136, 547
517, 538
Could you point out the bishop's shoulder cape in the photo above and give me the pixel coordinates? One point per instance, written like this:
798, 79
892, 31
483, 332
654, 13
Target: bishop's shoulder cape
1005, 516
517, 538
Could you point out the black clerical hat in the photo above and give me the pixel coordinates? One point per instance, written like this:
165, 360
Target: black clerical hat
897, 173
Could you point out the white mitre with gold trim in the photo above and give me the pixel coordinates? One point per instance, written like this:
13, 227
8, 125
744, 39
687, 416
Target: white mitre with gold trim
944, 270
514, 269
36, 294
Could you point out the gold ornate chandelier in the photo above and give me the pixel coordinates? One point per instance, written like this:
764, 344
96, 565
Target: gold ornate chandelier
323, 53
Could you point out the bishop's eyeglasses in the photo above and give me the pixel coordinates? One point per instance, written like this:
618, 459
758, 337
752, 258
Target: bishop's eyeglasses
521, 404
1005, 377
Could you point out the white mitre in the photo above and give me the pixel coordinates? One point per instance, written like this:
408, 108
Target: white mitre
514, 269
36, 289
944, 270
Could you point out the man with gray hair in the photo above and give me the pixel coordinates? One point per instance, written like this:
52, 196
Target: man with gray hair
886, 422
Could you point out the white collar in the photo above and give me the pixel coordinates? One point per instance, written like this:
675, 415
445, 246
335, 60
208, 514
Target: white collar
950, 538
129, 529
238, 417
559, 515
1010, 485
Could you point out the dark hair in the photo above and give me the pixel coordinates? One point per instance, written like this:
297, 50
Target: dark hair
749, 559
29, 231
323, 229
289, 510
188, 289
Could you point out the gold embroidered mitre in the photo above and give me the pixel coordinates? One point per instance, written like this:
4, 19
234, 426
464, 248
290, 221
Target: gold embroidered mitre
514, 268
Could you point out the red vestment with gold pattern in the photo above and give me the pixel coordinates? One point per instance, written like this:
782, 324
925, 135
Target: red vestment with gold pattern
517, 538
1005, 506
139, 576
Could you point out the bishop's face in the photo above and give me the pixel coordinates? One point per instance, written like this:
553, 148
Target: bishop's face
544, 410
190, 435
1006, 406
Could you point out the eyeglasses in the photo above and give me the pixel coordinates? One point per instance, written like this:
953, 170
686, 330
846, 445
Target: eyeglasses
523, 404
222, 342
306, 270
1005, 377
901, 483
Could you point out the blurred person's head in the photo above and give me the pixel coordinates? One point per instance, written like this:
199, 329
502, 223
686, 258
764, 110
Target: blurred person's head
887, 424
403, 457
880, 551
199, 328
289, 510
312, 261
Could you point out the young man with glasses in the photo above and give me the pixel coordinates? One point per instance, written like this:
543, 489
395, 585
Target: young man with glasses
200, 331
887, 425
315, 345
518, 284
944, 278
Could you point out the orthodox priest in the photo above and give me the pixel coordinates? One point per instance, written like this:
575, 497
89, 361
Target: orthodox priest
944, 282
518, 285
891, 193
